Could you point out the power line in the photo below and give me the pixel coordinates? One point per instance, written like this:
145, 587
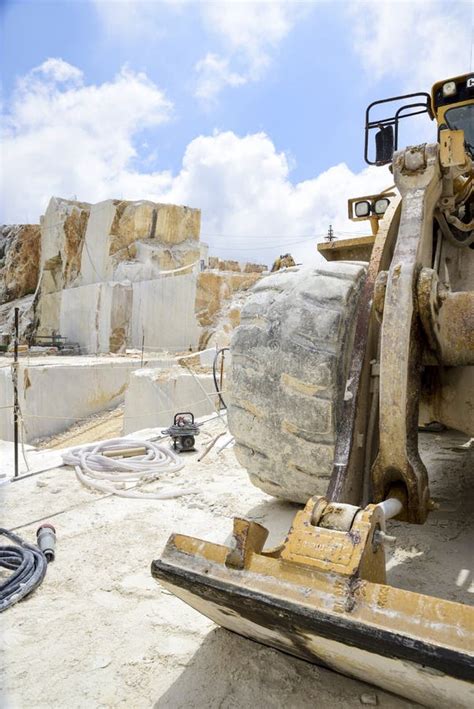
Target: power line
275, 236
258, 248
270, 246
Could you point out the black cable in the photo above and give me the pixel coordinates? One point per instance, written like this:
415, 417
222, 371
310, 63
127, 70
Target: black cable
28, 564
214, 375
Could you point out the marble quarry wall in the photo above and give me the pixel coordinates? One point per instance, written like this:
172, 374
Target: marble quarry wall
120, 274
116, 273
53, 396
110, 277
153, 397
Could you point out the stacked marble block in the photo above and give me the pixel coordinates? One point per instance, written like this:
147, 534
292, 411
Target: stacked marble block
113, 274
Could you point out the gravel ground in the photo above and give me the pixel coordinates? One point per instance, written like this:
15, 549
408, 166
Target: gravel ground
107, 424
100, 632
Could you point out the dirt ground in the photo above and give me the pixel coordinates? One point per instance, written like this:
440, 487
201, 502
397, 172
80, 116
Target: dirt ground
100, 632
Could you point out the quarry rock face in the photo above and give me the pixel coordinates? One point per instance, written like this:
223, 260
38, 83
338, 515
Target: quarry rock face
20, 247
121, 274
110, 277
63, 229
103, 271
136, 241
255, 268
216, 292
225, 265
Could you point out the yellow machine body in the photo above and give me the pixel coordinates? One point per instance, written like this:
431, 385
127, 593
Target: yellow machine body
322, 594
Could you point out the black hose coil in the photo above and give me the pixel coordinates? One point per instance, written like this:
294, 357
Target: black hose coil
214, 375
28, 564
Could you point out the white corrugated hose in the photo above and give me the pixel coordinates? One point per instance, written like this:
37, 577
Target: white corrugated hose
122, 476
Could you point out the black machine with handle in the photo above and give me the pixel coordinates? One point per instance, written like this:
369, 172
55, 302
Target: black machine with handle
183, 431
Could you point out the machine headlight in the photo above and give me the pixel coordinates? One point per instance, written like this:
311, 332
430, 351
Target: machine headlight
362, 209
380, 205
449, 88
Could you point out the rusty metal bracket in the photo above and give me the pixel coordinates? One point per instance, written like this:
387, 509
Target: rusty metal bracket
447, 319
248, 538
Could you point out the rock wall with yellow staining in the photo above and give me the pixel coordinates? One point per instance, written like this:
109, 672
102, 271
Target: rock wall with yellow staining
218, 300
122, 274
20, 247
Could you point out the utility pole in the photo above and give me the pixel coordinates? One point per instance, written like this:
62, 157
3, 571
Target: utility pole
15, 391
330, 235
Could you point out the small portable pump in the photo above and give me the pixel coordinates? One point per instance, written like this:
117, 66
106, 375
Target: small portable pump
183, 432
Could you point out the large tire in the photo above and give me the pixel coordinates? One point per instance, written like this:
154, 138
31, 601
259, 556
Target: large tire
290, 357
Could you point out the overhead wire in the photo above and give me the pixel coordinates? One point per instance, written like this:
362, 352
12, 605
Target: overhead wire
294, 237
140, 415
274, 245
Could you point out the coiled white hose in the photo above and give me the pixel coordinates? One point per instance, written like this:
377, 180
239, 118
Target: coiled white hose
112, 475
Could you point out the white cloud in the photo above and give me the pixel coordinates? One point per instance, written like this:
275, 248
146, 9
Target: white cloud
214, 75
63, 137
55, 70
419, 41
67, 138
251, 208
132, 20
252, 27
250, 31
246, 33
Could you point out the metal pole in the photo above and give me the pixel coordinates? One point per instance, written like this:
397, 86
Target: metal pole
143, 345
15, 391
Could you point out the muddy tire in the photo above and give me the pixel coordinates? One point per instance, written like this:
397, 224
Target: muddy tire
289, 363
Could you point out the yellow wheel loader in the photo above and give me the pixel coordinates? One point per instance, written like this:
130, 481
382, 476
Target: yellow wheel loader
334, 368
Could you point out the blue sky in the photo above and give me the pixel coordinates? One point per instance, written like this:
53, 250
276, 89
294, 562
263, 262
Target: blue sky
252, 111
